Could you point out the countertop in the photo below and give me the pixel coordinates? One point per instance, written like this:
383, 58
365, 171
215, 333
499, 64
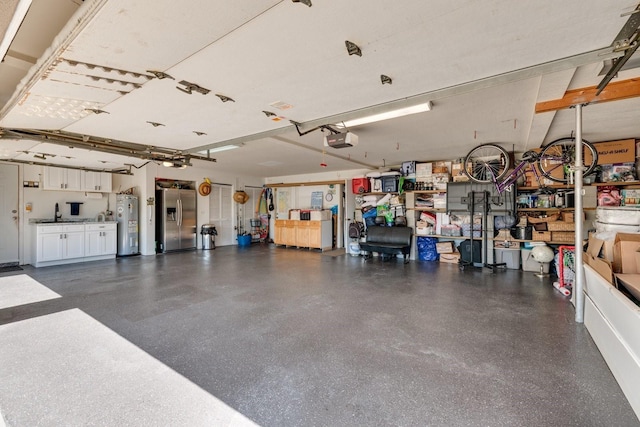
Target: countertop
49, 221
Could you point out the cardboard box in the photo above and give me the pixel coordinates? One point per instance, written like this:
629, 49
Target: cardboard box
621, 151
441, 167
631, 283
424, 172
451, 258
591, 257
444, 247
625, 247
590, 198
630, 197
456, 169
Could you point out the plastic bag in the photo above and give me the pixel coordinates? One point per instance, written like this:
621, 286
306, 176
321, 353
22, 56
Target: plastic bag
427, 248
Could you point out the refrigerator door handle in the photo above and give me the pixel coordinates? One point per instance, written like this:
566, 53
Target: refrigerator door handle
179, 212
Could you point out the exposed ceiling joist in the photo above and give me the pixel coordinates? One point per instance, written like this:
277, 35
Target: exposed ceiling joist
105, 145
613, 92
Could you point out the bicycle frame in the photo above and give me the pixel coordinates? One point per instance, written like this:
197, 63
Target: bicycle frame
519, 170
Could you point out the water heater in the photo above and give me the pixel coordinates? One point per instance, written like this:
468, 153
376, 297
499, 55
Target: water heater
127, 219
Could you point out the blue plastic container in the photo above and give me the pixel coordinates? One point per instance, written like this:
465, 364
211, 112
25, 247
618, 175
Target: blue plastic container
244, 240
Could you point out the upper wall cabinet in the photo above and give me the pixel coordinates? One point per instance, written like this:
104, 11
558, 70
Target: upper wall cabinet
62, 179
76, 180
96, 181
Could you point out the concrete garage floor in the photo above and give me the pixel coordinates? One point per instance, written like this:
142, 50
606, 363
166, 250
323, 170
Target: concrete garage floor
291, 337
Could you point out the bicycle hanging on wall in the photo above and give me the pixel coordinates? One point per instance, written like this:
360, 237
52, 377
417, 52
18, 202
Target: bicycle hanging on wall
490, 163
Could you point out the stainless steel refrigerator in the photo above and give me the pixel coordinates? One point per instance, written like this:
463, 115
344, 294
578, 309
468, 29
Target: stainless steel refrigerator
127, 219
176, 219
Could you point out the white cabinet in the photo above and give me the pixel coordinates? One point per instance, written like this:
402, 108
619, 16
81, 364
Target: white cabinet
69, 243
96, 181
62, 179
100, 239
59, 242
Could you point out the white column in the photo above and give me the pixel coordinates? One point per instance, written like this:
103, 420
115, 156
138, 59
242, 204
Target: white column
579, 285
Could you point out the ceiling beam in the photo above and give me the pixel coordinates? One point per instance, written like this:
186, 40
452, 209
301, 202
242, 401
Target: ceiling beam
612, 92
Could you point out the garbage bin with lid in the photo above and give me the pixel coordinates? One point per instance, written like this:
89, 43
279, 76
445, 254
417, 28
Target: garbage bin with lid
208, 232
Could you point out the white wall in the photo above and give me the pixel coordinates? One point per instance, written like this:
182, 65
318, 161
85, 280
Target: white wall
142, 181
301, 195
43, 207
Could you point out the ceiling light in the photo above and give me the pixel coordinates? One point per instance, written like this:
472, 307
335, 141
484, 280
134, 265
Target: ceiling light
14, 25
167, 164
222, 148
420, 108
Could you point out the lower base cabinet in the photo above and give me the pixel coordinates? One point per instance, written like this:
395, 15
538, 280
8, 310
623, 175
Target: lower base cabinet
64, 244
304, 234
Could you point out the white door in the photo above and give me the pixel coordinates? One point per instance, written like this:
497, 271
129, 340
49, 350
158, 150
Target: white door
221, 214
9, 214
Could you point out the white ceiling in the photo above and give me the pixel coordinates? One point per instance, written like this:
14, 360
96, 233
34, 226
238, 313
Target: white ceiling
483, 64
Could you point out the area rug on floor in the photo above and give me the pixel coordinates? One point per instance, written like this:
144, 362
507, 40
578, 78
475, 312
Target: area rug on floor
22, 289
7, 268
67, 368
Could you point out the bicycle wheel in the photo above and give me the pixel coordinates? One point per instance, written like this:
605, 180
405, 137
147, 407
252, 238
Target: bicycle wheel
560, 153
486, 163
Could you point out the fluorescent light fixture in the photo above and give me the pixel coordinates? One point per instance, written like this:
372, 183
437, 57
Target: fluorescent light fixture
420, 108
221, 148
14, 25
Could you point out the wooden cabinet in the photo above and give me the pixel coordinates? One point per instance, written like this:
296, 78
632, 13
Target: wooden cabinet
62, 179
289, 233
278, 232
69, 243
321, 234
304, 234
96, 181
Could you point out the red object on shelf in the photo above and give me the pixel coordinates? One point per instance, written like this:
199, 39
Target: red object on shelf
360, 185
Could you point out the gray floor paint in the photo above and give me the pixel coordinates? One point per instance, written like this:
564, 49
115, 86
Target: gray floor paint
294, 338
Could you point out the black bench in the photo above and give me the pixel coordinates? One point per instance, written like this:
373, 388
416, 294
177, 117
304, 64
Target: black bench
388, 240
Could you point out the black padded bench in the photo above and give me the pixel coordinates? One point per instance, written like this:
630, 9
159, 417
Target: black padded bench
388, 240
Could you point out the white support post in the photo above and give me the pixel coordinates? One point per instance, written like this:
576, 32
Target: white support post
578, 289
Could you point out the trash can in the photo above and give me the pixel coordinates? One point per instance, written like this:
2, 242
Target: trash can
208, 232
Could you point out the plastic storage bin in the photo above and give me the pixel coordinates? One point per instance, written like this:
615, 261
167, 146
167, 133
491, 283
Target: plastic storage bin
511, 257
465, 251
530, 264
